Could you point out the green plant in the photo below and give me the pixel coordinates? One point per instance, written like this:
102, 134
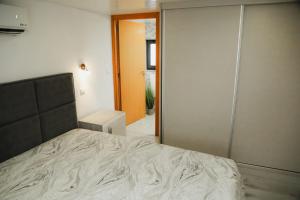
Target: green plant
149, 97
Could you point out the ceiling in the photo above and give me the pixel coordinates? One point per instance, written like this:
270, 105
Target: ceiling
114, 6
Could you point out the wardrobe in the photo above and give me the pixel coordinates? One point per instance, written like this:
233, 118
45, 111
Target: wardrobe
231, 80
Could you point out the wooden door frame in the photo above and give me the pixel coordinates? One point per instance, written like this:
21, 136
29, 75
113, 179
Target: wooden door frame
116, 60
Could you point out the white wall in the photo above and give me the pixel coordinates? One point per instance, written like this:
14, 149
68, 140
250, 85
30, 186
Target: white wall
151, 35
150, 29
150, 79
58, 40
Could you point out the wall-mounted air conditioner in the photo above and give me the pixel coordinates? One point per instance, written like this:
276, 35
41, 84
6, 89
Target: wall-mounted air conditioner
13, 20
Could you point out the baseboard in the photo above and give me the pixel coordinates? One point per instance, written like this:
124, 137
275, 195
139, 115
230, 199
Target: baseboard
268, 179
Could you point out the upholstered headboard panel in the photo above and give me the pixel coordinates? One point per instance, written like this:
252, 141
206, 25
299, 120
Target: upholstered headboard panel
35, 110
56, 105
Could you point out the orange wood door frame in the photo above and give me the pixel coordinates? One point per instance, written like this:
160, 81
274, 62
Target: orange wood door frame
116, 60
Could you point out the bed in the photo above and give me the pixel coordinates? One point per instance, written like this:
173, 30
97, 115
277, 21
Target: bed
45, 155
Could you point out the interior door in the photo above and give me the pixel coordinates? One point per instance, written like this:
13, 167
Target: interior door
132, 46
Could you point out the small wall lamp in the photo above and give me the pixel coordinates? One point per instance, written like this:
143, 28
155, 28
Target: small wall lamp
83, 67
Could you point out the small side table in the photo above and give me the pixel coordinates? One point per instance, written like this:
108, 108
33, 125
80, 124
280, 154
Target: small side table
113, 122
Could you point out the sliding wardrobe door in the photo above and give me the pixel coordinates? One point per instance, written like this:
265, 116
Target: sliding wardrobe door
199, 59
267, 125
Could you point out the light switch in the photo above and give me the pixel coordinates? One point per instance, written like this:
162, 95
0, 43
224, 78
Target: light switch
81, 92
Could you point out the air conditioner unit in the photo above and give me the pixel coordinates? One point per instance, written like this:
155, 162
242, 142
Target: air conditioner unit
13, 20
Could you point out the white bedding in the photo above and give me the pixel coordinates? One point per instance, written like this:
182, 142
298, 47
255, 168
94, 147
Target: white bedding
86, 165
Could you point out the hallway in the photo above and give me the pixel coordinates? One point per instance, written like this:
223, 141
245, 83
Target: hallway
143, 127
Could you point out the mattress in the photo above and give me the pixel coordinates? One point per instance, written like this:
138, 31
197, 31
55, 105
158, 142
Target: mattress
87, 165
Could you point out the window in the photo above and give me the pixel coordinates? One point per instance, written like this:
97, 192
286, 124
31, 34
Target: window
151, 54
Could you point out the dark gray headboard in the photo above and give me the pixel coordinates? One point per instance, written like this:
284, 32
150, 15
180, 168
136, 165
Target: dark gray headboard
34, 111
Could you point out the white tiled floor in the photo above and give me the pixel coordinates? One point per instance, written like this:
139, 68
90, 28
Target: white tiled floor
143, 127
258, 194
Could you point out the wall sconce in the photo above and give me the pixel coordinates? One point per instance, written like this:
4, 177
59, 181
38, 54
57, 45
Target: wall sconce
83, 67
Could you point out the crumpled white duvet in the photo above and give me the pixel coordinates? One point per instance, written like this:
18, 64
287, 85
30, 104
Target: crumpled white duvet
90, 165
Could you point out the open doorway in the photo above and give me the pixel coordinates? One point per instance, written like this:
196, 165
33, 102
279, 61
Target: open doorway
135, 42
